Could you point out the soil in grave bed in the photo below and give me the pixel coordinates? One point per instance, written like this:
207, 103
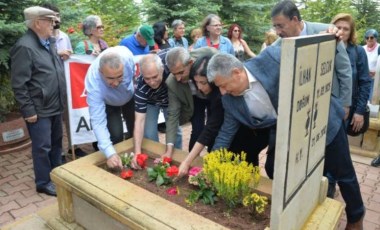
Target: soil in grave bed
237, 218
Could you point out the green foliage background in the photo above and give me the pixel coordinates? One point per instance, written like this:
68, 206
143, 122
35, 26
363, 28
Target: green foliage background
122, 17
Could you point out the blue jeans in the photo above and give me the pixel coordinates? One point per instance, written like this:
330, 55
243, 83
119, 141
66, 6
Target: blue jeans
151, 121
338, 167
46, 135
371, 92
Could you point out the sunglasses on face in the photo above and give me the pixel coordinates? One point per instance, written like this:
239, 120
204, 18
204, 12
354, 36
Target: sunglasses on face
369, 38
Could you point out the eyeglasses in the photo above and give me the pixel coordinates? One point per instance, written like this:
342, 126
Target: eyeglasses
52, 21
217, 25
100, 27
236, 30
369, 38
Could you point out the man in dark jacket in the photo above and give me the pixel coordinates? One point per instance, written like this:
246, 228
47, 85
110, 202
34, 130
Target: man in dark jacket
39, 86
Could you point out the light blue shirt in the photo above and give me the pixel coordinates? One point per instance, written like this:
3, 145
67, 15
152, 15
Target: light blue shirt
225, 45
256, 97
99, 93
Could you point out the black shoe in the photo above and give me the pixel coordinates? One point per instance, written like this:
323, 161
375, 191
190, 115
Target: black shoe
331, 191
161, 127
49, 189
78, 152
95, 146
63, 159
376, 162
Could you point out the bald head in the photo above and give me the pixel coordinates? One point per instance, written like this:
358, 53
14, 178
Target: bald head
151, 68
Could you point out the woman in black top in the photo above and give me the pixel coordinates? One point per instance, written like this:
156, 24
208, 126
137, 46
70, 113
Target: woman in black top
215, 117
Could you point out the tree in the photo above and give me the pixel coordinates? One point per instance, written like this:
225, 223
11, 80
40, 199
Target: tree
324, 11
191, 12
11, 28
369, 16
119, 17
252, 16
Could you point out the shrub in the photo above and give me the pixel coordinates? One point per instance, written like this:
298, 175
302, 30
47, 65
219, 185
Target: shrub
231, 175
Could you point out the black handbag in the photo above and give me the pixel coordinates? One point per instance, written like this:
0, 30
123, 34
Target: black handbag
365, 127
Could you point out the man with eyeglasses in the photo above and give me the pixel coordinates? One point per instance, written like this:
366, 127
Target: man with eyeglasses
38, 82
109, 88
63, 44
183, 95
338, 166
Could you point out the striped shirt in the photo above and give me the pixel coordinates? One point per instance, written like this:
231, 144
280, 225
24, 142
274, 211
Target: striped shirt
144, 94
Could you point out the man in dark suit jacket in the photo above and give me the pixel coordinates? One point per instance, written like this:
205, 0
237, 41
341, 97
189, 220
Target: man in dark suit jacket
338, 167
38, 83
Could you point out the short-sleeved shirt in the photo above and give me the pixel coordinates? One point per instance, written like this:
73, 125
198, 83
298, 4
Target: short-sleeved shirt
145, 94
134, 46
63, 42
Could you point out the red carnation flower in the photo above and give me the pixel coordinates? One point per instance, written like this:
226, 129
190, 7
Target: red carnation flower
141, 158
167, 160
172, 191
172, 171
126, 174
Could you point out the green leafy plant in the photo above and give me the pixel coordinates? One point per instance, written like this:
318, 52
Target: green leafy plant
162, 172
126, 160
205, 193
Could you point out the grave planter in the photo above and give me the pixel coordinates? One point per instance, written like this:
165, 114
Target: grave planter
91, 197
13, 135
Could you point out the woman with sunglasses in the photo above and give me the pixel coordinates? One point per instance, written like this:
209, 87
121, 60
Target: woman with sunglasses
235, 34
93, 28
212, 35
372, 50
215, 117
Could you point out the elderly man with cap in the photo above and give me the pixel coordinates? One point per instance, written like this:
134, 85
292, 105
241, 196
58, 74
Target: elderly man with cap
109, 87
372, 50
38, 83
139, 42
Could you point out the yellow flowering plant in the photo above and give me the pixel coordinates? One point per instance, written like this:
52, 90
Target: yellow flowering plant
255, 203
230, 175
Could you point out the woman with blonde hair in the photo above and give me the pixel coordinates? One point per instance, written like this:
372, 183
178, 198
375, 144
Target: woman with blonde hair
195, 35
361, 84
270, 37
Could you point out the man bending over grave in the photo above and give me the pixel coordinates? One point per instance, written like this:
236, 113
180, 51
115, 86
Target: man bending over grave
109, 87
248, 86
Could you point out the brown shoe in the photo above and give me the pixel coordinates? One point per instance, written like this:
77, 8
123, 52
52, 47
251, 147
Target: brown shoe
358, 225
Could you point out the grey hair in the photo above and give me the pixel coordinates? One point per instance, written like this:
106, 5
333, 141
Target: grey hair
177, 23
111, 59
29, 23
175, 55
221, 64
149, 58
89, 23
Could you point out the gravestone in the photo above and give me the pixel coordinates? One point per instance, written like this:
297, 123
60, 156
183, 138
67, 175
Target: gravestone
307, 65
